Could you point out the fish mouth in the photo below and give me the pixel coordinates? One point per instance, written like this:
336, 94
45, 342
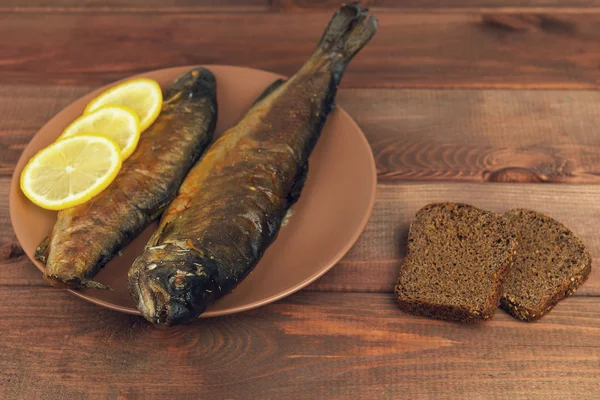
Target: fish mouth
167, 286
152, 299
157, 305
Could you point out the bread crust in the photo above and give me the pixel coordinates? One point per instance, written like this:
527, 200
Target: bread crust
572, 262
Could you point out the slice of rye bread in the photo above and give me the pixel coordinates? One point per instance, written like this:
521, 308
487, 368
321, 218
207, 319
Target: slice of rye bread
550, 264
456, 258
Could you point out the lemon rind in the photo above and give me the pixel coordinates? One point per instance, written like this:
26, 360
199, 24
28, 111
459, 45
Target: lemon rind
91, 106
125, 152
84, 196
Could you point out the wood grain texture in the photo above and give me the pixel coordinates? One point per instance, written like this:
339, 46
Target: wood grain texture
133, 6
314, 345
444, 6
24, 110
372, 264
190, 6
15, 267
331, 340
415, 134
410, 50
480, 135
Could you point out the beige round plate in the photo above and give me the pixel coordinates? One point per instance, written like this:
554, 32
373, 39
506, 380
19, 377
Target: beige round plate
332, 211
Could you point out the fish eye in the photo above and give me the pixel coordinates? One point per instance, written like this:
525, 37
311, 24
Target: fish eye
178, 282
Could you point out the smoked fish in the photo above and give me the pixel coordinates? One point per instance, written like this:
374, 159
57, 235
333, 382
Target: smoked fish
231, 205
87, 236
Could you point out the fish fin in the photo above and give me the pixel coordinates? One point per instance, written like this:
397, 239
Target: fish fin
41, 252
270, 89
294, 194
287, 217
73, 282
155, 238
349, 30
95, 285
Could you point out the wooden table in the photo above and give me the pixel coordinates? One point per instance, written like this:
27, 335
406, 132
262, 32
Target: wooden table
478, 101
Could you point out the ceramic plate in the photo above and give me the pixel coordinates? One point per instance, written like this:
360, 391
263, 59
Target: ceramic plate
332, 211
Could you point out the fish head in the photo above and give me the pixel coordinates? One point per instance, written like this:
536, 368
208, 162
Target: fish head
171, 285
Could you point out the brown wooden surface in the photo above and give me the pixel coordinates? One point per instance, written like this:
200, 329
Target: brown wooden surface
410, 50
445, 5
456, 98
310, 345
136, 6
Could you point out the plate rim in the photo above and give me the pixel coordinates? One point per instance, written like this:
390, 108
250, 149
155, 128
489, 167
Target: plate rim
233, 310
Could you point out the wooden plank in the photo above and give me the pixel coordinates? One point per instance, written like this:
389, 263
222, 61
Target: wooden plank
133, 6
410, 50
325, 345
444, 6
480, 135
24, 110
15, 267
416, 134
189, 6
372, 264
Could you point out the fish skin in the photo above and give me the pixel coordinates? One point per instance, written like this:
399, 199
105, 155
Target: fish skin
87, 236
231, 205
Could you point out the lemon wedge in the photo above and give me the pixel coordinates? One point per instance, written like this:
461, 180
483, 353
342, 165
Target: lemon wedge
141, 95
117, 123
70, 172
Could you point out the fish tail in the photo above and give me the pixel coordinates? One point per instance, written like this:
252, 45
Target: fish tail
349, 30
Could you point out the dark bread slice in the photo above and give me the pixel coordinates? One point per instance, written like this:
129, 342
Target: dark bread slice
455, 261
550, 264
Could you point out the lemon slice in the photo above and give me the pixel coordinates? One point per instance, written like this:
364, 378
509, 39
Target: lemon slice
69, 172
117, 123
142, 95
